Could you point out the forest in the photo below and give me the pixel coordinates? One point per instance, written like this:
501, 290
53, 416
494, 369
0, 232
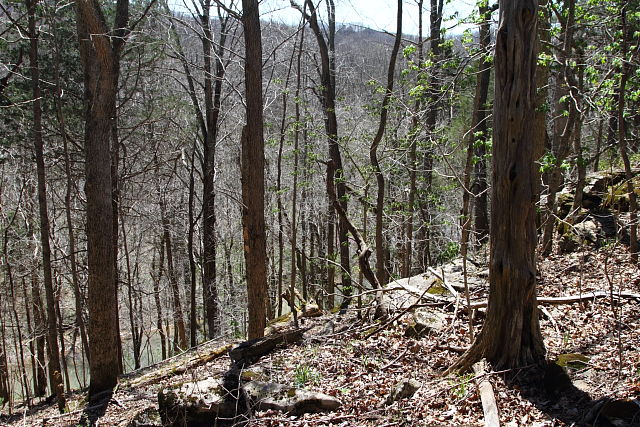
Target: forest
386, 227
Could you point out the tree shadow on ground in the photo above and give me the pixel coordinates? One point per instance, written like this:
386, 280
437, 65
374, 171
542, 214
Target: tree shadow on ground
550, 389
96, 408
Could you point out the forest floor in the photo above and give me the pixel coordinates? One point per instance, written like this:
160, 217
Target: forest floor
361, 371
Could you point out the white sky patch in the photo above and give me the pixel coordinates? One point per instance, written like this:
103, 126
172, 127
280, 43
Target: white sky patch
375, 14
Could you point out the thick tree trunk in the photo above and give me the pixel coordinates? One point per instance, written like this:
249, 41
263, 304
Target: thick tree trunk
511, 334
253, 223
100, 55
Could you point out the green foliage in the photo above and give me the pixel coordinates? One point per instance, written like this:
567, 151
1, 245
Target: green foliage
460, 385
450, 251
304, 375
549, 161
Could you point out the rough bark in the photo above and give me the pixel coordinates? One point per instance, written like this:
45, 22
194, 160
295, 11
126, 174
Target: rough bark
253, 222
511, 334
100, 56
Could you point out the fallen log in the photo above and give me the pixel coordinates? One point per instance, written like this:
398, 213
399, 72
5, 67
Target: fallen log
571, 299
487, 396
249, 352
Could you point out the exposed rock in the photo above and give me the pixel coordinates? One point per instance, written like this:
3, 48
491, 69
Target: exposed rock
197, 404
586, 233
403, 390
312, 310
423, 322
264, 396
582, 386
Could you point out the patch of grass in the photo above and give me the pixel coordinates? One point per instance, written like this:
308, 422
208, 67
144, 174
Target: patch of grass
305, 375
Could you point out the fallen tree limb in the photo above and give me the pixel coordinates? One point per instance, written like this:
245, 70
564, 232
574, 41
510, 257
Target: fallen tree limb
487, 396
572, 299
248, 352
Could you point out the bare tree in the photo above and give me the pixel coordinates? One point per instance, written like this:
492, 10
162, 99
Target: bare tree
55, 371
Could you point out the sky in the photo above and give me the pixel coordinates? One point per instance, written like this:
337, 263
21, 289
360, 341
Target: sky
375, 14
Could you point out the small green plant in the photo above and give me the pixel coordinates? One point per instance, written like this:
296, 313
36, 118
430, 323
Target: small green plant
304, 375
460, 385
566, 339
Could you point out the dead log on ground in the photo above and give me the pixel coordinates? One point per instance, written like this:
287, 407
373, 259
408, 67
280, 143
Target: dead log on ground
487, 396
249, 352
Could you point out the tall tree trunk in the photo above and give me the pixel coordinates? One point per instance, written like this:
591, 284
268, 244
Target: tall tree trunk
40, 381
373, 150
213, 99
75, 280
511, 334
413, 157
296, 160
479, 129
541, 136
193, 315
136, 336
157, 278
52, 335
283, 130
435, 25
622, 135
328, 97
565, 117
253, 223
178, 316
115, 203
100, 56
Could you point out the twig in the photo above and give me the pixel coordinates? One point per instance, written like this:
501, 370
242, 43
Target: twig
388, 365
550, 317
